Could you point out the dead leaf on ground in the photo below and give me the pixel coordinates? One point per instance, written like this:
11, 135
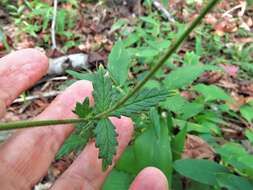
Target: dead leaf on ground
197, 148
210, 77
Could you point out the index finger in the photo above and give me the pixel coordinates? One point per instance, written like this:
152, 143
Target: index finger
19, 71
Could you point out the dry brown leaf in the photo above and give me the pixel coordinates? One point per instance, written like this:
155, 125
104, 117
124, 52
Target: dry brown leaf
197, 148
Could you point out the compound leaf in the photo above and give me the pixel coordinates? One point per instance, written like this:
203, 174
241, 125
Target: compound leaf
106, 141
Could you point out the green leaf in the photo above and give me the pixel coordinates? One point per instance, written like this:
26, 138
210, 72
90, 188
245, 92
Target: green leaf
155, 120
119, 24
128, 159
106, 141
119, 62
165, 2
191, 110
178, 143
175, 103
230, 150
233, 182
249, 135
198, 45
190, 58
211, 92
149, 19
117, 180
247, 113
83, 109
102, 92
142, 101
203, 171
60, 21
76, 141
151, 151
233, 154
183, 76
249, 2
81, 76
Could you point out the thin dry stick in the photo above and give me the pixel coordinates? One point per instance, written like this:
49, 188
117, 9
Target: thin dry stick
34, 97
54, 46
161, 8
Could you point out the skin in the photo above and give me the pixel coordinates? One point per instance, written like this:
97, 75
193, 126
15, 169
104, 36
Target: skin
26, 156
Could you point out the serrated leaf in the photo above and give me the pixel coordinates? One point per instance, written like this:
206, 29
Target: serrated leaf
184, 76
76, 141
119, 62
106, 141
83, 109
142, 101
203, 171
102, 92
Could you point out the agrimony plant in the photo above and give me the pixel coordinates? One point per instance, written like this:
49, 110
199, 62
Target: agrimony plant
111, 101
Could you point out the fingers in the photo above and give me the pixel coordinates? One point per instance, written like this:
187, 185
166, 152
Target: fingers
26, 156
150, 179
19, 71
86, 171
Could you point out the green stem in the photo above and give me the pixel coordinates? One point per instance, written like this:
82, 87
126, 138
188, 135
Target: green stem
160, 63
163, 59
28, 124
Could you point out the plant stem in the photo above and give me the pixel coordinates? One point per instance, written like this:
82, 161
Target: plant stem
162, 61
28, 124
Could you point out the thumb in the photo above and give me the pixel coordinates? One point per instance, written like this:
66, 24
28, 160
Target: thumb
150, 178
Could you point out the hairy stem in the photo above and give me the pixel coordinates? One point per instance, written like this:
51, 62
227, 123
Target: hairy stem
40, 123
160, 63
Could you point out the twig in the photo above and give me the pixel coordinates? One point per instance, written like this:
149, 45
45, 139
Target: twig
161, 8
54, 46
241, 6
34, 97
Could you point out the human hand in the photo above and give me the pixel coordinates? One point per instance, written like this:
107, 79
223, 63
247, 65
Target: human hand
26, 156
